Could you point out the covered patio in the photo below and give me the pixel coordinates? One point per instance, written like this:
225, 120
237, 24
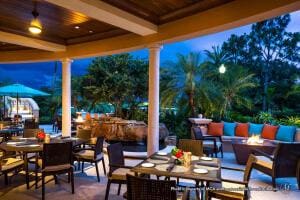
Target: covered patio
77, 29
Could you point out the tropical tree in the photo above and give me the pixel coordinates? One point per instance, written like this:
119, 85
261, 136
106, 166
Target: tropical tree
117, 79
179, 81
263, 50
233, 85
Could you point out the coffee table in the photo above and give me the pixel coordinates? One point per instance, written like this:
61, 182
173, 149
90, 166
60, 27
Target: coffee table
242, 149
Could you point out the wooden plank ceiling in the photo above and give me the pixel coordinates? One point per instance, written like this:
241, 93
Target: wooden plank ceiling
59, 24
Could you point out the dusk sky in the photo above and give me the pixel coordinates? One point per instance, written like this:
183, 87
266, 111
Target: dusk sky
41, 74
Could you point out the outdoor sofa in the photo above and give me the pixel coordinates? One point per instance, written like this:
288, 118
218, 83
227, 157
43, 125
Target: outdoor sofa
230, 131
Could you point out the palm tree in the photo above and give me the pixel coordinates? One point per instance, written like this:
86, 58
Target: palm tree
215, 59
233, 85
179, 81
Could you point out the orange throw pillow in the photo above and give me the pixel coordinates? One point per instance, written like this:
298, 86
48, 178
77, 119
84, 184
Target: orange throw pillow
242, 129
269, 132
215, 129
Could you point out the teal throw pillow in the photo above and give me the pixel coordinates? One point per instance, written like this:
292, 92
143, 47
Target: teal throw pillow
286, 133
255, 129
229, 128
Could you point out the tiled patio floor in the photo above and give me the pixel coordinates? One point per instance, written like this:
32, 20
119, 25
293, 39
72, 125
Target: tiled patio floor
87, 188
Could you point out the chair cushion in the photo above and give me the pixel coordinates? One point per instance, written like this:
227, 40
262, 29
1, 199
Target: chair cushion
208, 143
242, 129
229, 185
229, 128
120, 174
264, 161
286, 133
269, 132
215, 129
255, 129
11, 163
88, 155
53, 168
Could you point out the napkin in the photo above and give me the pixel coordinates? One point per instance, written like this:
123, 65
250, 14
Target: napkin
171, 166
208, 163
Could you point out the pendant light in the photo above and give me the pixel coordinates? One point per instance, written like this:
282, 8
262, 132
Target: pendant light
35, 24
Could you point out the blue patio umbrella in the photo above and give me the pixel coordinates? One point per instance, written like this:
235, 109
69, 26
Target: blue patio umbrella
19, 90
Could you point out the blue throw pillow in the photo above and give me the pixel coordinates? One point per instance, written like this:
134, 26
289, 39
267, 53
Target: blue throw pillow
286, 133
229, 128
255, 129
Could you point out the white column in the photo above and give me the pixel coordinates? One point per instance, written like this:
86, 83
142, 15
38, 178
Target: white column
153, 99
66, 97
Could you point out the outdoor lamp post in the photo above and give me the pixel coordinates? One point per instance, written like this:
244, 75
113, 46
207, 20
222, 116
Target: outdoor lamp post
222, 69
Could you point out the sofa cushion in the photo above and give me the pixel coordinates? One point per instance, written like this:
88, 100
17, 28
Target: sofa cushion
286, 133
229, 128
242, 129
297, 135
269, 132
215, 129
255, 129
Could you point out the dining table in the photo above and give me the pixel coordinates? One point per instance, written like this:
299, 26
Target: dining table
33, 145
201, 169
7, 132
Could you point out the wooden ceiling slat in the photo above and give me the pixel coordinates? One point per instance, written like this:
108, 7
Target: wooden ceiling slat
58, 23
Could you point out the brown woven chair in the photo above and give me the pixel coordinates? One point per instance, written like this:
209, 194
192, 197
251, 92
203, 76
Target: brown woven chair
117, 169
85, 134
242, 194
193, 146
9, 163
285, 162
141, 188
212, 145
55, 162
29, 132
31, 124
92, 154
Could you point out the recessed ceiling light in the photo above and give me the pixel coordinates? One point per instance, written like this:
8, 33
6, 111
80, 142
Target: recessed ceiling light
91, 31
77, 27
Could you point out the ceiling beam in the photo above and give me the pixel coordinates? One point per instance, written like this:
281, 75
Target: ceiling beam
104, 12
30, 42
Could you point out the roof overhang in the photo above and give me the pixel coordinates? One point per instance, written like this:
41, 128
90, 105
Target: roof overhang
227, 16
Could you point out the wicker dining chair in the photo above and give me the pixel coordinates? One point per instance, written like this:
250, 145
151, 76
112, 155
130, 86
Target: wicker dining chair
117, 169
31, 132
91, 154
286, 156
85, 134
212, 145
55, 162
10, 163
193, 146
140, 188
31, 124
242, 191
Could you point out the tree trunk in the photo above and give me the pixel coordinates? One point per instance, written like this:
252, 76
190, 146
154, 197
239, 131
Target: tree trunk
192, 104
265, 87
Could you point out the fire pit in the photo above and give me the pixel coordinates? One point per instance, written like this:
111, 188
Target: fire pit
243, 148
